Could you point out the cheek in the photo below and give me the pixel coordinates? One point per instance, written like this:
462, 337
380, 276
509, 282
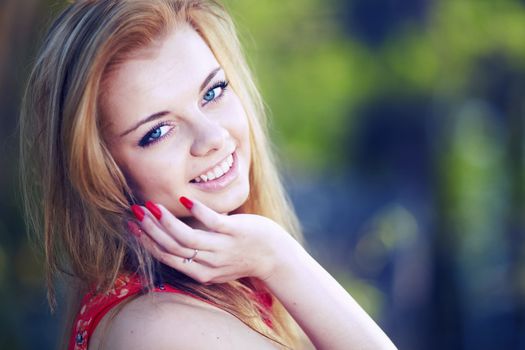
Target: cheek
239, 121
141, 171
244, 135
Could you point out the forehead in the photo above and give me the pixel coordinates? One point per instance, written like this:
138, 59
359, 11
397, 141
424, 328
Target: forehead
171, 67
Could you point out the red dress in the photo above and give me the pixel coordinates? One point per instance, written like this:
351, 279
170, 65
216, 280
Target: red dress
96, 306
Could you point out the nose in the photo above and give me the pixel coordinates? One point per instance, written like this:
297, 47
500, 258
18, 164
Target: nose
209, 136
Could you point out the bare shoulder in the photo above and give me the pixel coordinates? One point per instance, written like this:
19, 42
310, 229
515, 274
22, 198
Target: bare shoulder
174, 321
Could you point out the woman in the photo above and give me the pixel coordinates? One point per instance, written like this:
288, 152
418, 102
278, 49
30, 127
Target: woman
148, 107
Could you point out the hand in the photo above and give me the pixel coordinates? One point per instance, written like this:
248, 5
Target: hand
230, 247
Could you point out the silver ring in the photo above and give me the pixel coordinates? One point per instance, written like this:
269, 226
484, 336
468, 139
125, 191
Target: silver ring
190, 260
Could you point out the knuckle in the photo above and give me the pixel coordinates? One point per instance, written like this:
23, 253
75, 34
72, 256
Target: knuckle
174, 249
146, 226
218, 224
189, 241
169, 226
212, 262
217, 262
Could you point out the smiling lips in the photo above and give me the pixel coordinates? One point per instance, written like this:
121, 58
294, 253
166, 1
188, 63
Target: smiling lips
215, 173
224, 180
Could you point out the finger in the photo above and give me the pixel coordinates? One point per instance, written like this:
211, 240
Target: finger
163, 239
134, 228
207, 258
194, 269
210, 218
184, 234
202, 257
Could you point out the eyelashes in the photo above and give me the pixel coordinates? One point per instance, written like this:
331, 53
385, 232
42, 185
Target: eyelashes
165, 128
211, 95
155, 134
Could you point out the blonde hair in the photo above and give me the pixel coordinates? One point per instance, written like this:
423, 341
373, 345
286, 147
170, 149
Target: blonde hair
76, 198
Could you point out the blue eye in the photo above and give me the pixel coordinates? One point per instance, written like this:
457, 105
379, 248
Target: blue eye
210, 95
215, 92
155, 134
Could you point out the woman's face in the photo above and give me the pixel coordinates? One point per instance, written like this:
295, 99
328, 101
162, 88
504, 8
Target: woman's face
175, 127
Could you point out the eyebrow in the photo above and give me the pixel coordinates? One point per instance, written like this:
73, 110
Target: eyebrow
209, 78
144, 121
158, 115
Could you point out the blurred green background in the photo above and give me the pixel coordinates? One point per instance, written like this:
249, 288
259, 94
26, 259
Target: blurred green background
400, 128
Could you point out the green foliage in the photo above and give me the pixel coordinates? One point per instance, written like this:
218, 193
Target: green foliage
313, 76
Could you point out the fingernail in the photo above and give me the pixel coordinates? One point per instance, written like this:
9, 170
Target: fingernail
186, 202
138, 212
154, 209
134, 229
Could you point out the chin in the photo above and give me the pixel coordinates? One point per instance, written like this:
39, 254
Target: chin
229, 202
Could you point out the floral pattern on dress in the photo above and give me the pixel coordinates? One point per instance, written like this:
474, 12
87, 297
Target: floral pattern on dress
96, 305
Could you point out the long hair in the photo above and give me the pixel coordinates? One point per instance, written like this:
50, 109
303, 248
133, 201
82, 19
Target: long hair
77, 199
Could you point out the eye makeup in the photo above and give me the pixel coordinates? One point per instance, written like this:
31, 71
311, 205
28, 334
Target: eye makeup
223, 84
155, 134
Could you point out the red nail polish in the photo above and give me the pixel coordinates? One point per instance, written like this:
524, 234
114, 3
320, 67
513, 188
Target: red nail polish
138, 212
134, 229
186, 202
154, 209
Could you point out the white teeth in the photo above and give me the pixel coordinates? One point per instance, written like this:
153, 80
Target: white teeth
225, 167
216, 172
